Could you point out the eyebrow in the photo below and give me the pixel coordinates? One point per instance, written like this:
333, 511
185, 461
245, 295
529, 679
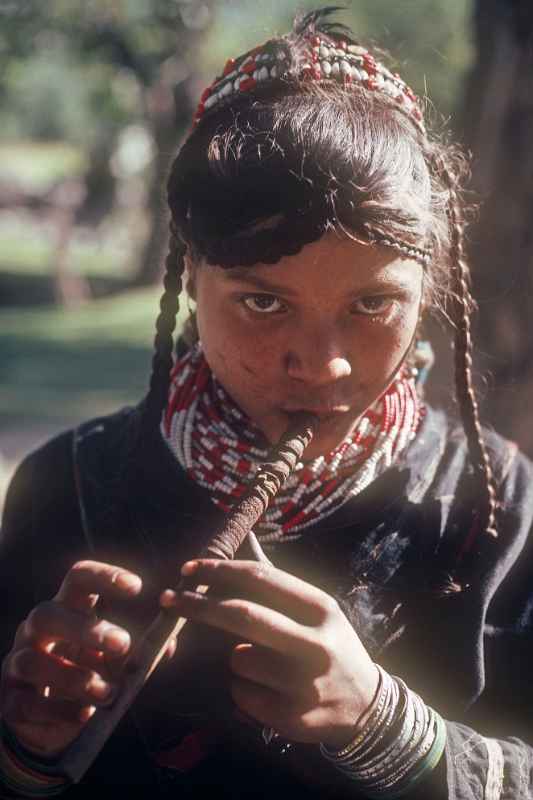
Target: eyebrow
244, 275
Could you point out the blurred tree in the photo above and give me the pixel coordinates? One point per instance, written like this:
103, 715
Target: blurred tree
84, 70
88, 71
499, 130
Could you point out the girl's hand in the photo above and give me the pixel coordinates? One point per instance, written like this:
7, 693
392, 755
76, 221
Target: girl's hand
301, 668
60, 665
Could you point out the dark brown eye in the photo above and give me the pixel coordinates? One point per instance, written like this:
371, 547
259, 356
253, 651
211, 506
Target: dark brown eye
373, 304
263, 303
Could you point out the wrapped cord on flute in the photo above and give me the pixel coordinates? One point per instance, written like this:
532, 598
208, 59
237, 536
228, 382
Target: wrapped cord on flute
147, 653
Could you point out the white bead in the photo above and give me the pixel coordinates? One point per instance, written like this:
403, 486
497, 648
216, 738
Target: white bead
227, 89
237, 83
345, 68
325, 66
335, 68
274, 72
263, 74
323, 52
357, 50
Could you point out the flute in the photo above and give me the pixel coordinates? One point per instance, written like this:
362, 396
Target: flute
149, 650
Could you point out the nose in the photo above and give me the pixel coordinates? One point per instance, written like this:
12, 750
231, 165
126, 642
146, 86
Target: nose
317, 358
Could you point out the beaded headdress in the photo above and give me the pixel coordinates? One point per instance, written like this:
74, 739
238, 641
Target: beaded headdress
320, 57
322, 52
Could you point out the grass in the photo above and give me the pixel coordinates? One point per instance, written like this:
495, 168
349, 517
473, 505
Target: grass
36, 166
65, 365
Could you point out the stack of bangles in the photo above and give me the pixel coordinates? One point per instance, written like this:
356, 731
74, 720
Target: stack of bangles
401, 742
21, 774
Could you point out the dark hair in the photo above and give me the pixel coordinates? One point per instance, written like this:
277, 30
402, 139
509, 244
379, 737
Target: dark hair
275, 169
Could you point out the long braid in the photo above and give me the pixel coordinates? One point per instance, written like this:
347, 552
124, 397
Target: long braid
165, 326
466, 396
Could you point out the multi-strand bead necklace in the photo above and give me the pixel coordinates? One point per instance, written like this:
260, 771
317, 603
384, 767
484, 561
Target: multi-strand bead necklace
221, 449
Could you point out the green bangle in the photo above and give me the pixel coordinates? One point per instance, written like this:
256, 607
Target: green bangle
426, 765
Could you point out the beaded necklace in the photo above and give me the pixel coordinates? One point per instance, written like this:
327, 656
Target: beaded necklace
220, 448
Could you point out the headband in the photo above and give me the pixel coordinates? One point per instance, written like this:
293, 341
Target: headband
321, 52
314, 57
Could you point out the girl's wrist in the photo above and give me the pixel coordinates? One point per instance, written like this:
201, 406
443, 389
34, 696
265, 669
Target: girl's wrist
25, 774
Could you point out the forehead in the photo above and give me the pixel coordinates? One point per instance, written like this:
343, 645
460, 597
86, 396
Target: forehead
332, 264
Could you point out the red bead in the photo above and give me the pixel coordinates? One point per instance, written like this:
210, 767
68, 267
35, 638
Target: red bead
342, 45
250, 67
200, 110
314, 57
246, 84
371, 84
315, 40
317, 73
230, 66
205, 94
400, 99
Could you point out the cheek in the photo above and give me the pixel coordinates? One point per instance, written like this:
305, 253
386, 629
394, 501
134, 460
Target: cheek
382, 348
238, 356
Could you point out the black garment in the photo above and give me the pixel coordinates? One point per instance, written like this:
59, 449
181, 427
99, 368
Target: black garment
382, 555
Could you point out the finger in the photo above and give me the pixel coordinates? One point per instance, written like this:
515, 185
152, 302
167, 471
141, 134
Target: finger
86, 580
266, 668
25, 706
265, 583
247, 620
49, 622
64, 679
44, 725
170, 648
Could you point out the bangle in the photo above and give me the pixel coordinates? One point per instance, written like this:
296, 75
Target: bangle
402, 740
22, 773
378, 708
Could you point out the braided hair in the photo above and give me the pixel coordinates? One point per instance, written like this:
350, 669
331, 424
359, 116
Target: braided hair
162, 360
465, 391
268, 173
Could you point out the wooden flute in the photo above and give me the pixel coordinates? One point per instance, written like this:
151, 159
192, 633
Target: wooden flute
148, 651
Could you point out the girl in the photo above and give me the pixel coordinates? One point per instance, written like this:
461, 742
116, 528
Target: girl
377, 648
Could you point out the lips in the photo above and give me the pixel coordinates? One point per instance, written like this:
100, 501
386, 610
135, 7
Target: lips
324, 413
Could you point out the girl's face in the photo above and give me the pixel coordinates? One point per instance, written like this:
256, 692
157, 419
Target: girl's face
325, 331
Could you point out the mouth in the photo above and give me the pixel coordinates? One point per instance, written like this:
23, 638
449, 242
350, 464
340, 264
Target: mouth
323, 413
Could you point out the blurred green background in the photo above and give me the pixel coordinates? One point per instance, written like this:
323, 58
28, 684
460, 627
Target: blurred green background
95, 96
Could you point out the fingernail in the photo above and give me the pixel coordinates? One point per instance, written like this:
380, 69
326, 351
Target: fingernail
189, 568
117, 640
128, 582
101, 689
168, 598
